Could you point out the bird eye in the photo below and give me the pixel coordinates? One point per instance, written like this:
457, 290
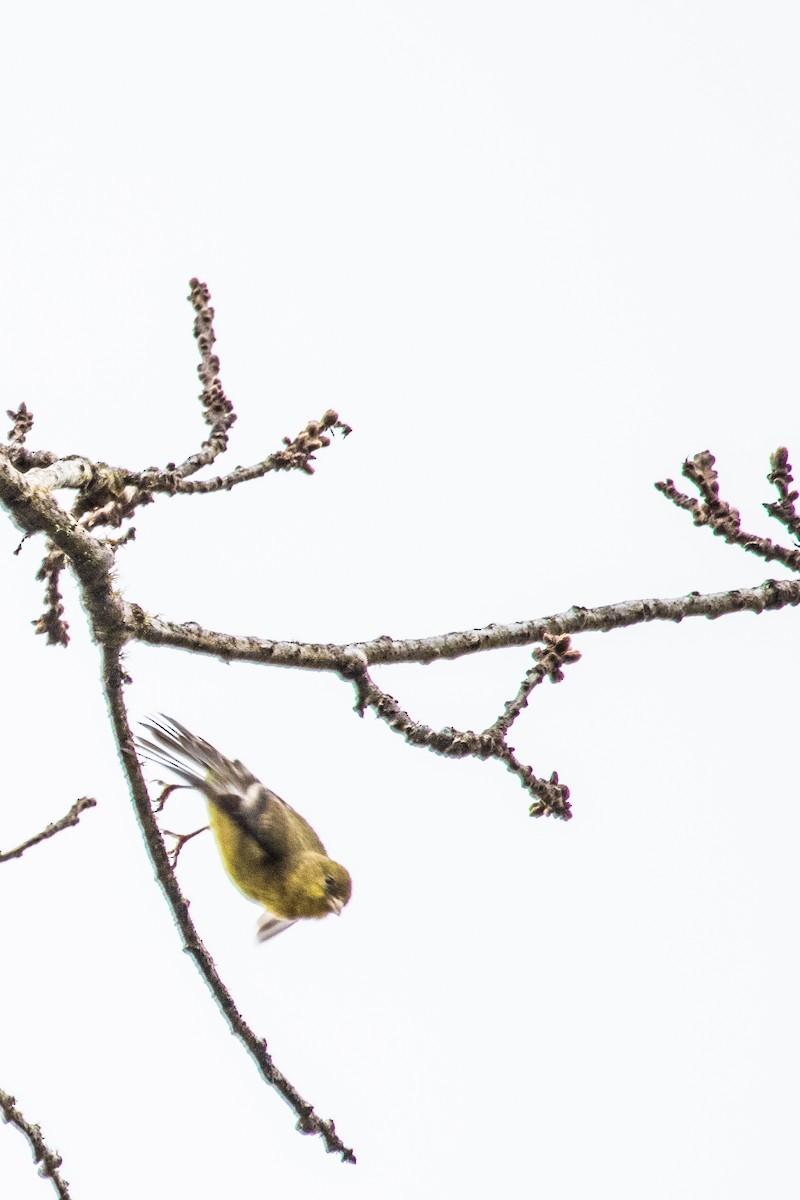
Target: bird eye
329, 881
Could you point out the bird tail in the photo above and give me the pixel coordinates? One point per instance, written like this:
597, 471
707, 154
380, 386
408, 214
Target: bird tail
192, 759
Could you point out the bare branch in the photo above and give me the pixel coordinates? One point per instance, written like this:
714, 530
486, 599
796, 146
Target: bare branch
50, 1160
74, 472
22, 424
297, 455
550, 797
26, 459
35, 510
113, 512
114, 543
550, 660
449, 742
52, 622
307, 1120
217, 408
781, 476
722, 518
107, 496
348, 658
72, 818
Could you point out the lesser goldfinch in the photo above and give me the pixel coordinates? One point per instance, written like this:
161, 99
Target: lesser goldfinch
270, 852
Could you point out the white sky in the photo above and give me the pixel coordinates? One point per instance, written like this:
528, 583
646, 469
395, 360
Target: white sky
536, 255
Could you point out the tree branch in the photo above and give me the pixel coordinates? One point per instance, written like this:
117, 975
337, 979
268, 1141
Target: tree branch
297, 455
307, 1119
35, 510
721, 517
107, 496
550, 798
52, 622
72, 818
50, 1160
22, 420
781, 476
154, 630
217, 408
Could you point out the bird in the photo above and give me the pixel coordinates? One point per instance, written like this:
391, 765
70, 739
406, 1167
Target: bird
269, 851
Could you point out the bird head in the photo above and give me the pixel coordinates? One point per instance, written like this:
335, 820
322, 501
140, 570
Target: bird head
318, 886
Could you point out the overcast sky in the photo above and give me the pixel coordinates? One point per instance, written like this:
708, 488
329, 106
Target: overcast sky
535, 255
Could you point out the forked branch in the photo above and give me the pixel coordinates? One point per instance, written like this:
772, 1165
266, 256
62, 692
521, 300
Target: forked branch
108, 497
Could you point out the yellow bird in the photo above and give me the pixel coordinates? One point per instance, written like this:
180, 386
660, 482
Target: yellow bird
270, 852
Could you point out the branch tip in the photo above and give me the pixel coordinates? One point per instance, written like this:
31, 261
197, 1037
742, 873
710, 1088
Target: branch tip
50, 1160
71, 818
725, 521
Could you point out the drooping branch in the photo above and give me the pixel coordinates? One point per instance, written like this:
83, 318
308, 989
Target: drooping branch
308, 1120
49, 1159
71, 818
550, 798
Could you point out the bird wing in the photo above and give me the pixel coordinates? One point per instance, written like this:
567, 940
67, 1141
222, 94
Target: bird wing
193, 759
228, 785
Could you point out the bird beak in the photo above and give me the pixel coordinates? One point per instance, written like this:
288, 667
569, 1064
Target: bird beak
335, 905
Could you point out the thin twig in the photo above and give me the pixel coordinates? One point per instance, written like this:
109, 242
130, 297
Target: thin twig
72, 818
109, 498
550, 660
50, 1160
550, 798
721, 517
51, 622
297, 455
781, 477
448, 741
217, 408
217, 412
22, 424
